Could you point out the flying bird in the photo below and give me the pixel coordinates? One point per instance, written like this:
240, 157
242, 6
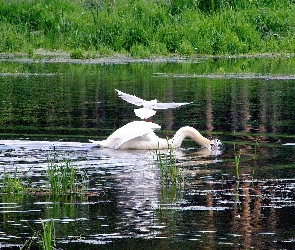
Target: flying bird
147, 107
140, 135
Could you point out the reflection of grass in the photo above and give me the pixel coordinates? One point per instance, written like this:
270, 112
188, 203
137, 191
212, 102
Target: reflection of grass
255, 148
170, 172
237, 162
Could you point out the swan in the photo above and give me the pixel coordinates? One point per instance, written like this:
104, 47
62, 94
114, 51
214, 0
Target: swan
147, 107
140, 135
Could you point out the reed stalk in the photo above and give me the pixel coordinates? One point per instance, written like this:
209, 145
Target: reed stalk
170, 172
62, 178
12, 183
48, 241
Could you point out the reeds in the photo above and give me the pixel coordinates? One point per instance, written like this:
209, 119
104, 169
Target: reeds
170, 172
47, 239
61, 178
12, 183
63, 182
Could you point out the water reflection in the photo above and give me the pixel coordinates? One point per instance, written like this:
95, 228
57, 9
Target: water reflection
53, 114
128, 199
74, 103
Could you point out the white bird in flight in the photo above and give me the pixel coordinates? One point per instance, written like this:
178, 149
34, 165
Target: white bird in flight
140, 135
147, 107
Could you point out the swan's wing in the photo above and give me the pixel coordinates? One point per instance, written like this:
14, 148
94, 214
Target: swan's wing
120, 142
144, 113
163, 105
130, 98
133, 130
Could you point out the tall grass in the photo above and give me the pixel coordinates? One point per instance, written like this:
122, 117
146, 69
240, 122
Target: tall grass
47, 240
62, 179
11, 183
170, 172
144, 28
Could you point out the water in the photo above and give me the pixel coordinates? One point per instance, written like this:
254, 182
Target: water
51, 110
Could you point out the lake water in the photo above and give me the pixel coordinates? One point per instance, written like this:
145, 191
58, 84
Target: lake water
51, 110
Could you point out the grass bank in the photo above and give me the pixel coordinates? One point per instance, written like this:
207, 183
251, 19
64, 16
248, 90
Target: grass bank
143, 28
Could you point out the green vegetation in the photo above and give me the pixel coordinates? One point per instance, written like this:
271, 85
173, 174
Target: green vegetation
45, 239
170, 172
61, 179
48, 237
237, 162
12, 183
144, 28
62, 183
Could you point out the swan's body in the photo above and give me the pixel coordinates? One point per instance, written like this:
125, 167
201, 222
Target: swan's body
140, 135
147, 107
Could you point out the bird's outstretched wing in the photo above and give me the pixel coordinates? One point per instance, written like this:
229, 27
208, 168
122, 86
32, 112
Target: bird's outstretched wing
148, 107
163, 105
130, 98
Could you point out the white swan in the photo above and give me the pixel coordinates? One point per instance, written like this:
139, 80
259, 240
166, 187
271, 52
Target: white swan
140, 135
148, 107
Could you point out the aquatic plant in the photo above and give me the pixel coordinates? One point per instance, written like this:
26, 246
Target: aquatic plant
47, 240
170, 172
62, 179
12, 183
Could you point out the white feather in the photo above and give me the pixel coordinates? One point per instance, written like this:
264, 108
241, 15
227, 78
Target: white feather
140, 135
148, 107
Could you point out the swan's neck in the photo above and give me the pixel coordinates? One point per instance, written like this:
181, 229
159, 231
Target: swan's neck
189, 132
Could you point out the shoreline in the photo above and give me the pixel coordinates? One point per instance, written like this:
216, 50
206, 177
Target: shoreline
42, 56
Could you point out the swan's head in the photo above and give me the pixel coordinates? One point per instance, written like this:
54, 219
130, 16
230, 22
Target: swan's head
215, 145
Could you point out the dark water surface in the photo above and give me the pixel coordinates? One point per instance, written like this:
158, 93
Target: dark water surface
51, 110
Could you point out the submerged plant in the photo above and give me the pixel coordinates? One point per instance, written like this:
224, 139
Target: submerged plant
170, 172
